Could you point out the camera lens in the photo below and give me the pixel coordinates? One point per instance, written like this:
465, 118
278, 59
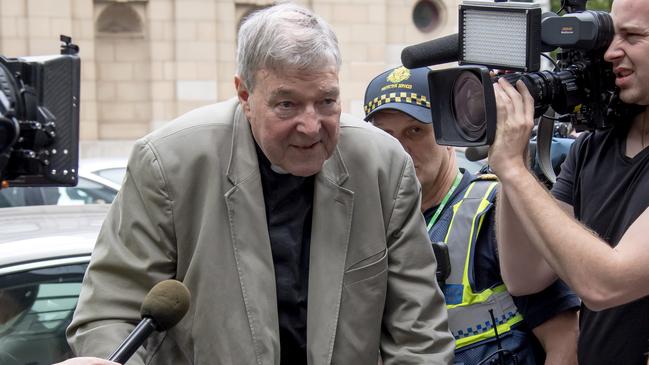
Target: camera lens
469, 106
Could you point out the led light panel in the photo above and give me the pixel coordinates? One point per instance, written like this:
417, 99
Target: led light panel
500, 37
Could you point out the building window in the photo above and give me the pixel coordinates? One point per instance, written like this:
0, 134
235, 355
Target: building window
119, 19
426, 15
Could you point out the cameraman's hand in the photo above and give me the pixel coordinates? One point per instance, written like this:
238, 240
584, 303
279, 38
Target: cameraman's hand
515, 112
86, 361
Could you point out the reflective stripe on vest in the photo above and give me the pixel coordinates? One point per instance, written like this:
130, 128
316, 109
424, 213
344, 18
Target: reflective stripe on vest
468, 311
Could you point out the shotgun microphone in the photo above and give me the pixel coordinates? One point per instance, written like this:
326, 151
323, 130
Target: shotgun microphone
163, 307
434, 52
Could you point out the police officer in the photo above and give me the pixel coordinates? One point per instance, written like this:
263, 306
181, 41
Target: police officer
458, 208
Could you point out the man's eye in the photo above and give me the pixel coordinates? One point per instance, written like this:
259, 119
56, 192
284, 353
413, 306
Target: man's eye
285, 104
328, 103
633, 37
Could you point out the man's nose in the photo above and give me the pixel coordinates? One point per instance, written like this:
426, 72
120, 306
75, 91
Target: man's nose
614, 50
406, 146
309, 123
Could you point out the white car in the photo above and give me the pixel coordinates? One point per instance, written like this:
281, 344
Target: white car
89, 190
111, 169
44, 252
99, 182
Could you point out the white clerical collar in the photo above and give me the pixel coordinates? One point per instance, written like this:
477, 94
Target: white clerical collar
278, 169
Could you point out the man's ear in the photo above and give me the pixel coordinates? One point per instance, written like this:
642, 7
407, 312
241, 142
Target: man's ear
242, 93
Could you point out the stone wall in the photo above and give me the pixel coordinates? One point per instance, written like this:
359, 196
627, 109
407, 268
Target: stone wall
146, 61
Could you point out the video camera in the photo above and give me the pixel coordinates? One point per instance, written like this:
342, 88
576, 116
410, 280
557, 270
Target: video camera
511, 36
39, 118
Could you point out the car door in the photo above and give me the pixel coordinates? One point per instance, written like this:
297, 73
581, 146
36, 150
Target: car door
37, 300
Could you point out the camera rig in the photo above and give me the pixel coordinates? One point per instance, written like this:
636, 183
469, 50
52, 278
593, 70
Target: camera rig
39, 118
510, 37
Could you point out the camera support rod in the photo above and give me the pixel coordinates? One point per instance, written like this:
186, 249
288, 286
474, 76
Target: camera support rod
573, 6
544, 144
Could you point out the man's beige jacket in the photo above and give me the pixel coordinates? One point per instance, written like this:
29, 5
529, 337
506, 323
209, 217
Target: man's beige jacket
192, 208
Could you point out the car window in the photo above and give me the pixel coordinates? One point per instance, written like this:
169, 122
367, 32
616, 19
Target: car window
35, 309
115, 175
86, 192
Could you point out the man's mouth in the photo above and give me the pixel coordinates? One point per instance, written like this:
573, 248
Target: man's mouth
622, 75
306, 146
622, 72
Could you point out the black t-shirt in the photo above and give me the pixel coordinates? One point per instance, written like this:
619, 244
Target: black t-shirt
289, 202
536, 308
608, 191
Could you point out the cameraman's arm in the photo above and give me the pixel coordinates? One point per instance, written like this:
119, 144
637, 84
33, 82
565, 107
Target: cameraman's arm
558, 336
602, 276
86, 361
524, 270
552, 316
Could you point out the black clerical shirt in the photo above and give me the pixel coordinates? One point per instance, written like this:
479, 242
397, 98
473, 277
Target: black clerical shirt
289, 202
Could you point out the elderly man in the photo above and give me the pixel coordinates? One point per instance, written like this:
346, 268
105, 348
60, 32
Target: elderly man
298, 245
602, 254
458, 207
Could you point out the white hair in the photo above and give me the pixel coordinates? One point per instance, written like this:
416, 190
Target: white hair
284, 36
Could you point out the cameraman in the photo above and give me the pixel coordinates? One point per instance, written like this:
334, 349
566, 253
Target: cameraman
603, 184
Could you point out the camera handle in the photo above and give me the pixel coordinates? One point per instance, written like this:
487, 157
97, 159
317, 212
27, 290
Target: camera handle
544, 135
573, 6
68, 47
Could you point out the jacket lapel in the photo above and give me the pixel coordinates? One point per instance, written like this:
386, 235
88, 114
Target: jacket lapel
249, 234
332, 215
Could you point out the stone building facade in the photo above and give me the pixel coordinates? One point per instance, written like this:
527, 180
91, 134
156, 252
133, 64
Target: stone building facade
144, 62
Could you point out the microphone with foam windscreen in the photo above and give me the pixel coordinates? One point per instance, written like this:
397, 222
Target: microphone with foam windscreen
163, 307
435, 52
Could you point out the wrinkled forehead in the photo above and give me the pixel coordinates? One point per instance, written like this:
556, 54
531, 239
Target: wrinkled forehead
630, 13
304, 71
323, 80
